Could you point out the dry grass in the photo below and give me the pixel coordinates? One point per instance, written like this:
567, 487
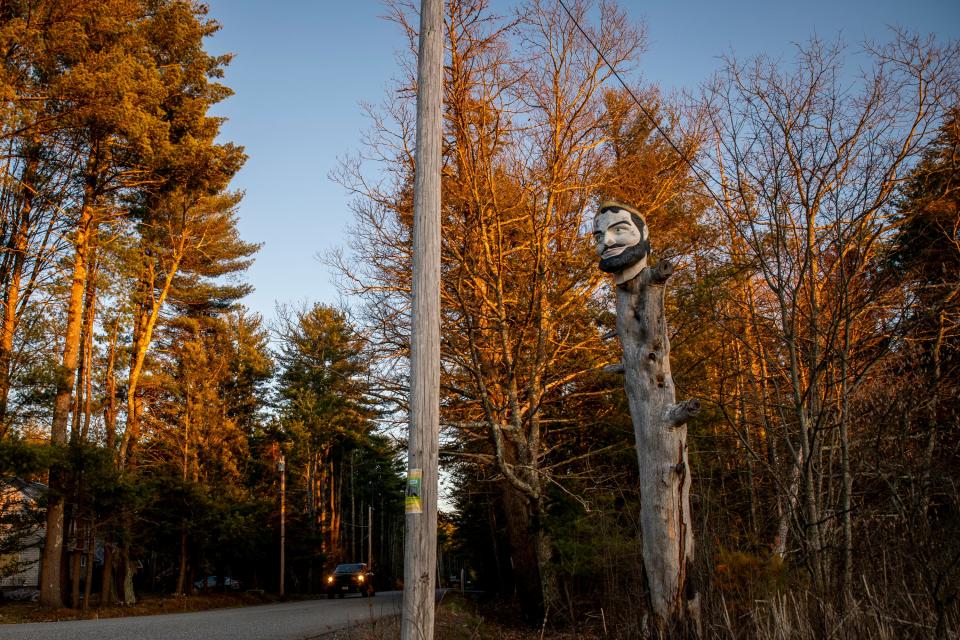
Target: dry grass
894, 615
880, 614
887, 614
459, 619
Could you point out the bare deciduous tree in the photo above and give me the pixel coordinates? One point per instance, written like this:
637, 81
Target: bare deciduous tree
525, 151
807, 162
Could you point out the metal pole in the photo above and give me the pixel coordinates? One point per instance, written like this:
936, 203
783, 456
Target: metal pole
370, 536
420, 542
283, 522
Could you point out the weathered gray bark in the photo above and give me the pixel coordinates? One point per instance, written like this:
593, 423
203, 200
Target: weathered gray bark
661, 438
420, 543
787, 505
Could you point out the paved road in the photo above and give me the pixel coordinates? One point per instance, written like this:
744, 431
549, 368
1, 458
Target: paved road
287, 621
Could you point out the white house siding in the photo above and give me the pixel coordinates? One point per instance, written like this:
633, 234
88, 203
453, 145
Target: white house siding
29, 573
19, 494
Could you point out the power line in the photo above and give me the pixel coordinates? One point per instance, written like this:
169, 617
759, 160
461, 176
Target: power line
643, 109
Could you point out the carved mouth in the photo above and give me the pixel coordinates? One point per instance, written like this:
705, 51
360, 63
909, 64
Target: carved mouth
613, 251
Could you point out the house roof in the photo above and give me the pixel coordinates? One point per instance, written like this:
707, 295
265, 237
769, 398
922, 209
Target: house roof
32, 491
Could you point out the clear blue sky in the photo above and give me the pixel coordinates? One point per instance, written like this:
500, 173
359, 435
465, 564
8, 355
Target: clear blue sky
302, 68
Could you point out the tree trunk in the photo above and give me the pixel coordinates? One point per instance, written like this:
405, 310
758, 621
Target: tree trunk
846, 506
661, 438
107, 592
324, 505
110, 390
549, 580
128, 595
334, 514
51, 594
84, 358
144, 324
75, 567
13, 275
787, 505
522, 536
182, 573
91, 552
309, 498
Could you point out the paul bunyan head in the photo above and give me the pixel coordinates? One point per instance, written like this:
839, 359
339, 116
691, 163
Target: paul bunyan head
622, 240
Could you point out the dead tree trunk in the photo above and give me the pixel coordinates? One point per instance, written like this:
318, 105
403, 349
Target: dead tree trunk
661, 438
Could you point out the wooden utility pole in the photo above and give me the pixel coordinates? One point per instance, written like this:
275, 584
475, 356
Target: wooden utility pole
283, 522
353, 511
420, 542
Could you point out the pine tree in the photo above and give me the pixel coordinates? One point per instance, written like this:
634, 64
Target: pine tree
326, 415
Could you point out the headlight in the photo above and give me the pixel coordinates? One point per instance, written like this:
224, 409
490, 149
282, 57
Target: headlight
329, 579
359, 578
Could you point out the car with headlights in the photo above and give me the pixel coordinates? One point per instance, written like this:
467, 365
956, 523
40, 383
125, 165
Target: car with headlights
353, 577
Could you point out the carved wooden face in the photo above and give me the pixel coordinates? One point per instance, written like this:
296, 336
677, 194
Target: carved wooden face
621, 239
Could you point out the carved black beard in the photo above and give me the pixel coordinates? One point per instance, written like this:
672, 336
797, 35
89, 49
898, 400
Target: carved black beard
625, 259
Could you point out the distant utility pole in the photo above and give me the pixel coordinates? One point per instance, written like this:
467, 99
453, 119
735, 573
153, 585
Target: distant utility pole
353, 511
282, 465
420, 541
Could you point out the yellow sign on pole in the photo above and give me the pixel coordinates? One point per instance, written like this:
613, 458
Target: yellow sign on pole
414, 503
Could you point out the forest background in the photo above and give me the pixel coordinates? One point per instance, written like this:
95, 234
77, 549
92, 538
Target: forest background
810, 202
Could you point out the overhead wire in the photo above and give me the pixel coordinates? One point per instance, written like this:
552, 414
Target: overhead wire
644, 110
